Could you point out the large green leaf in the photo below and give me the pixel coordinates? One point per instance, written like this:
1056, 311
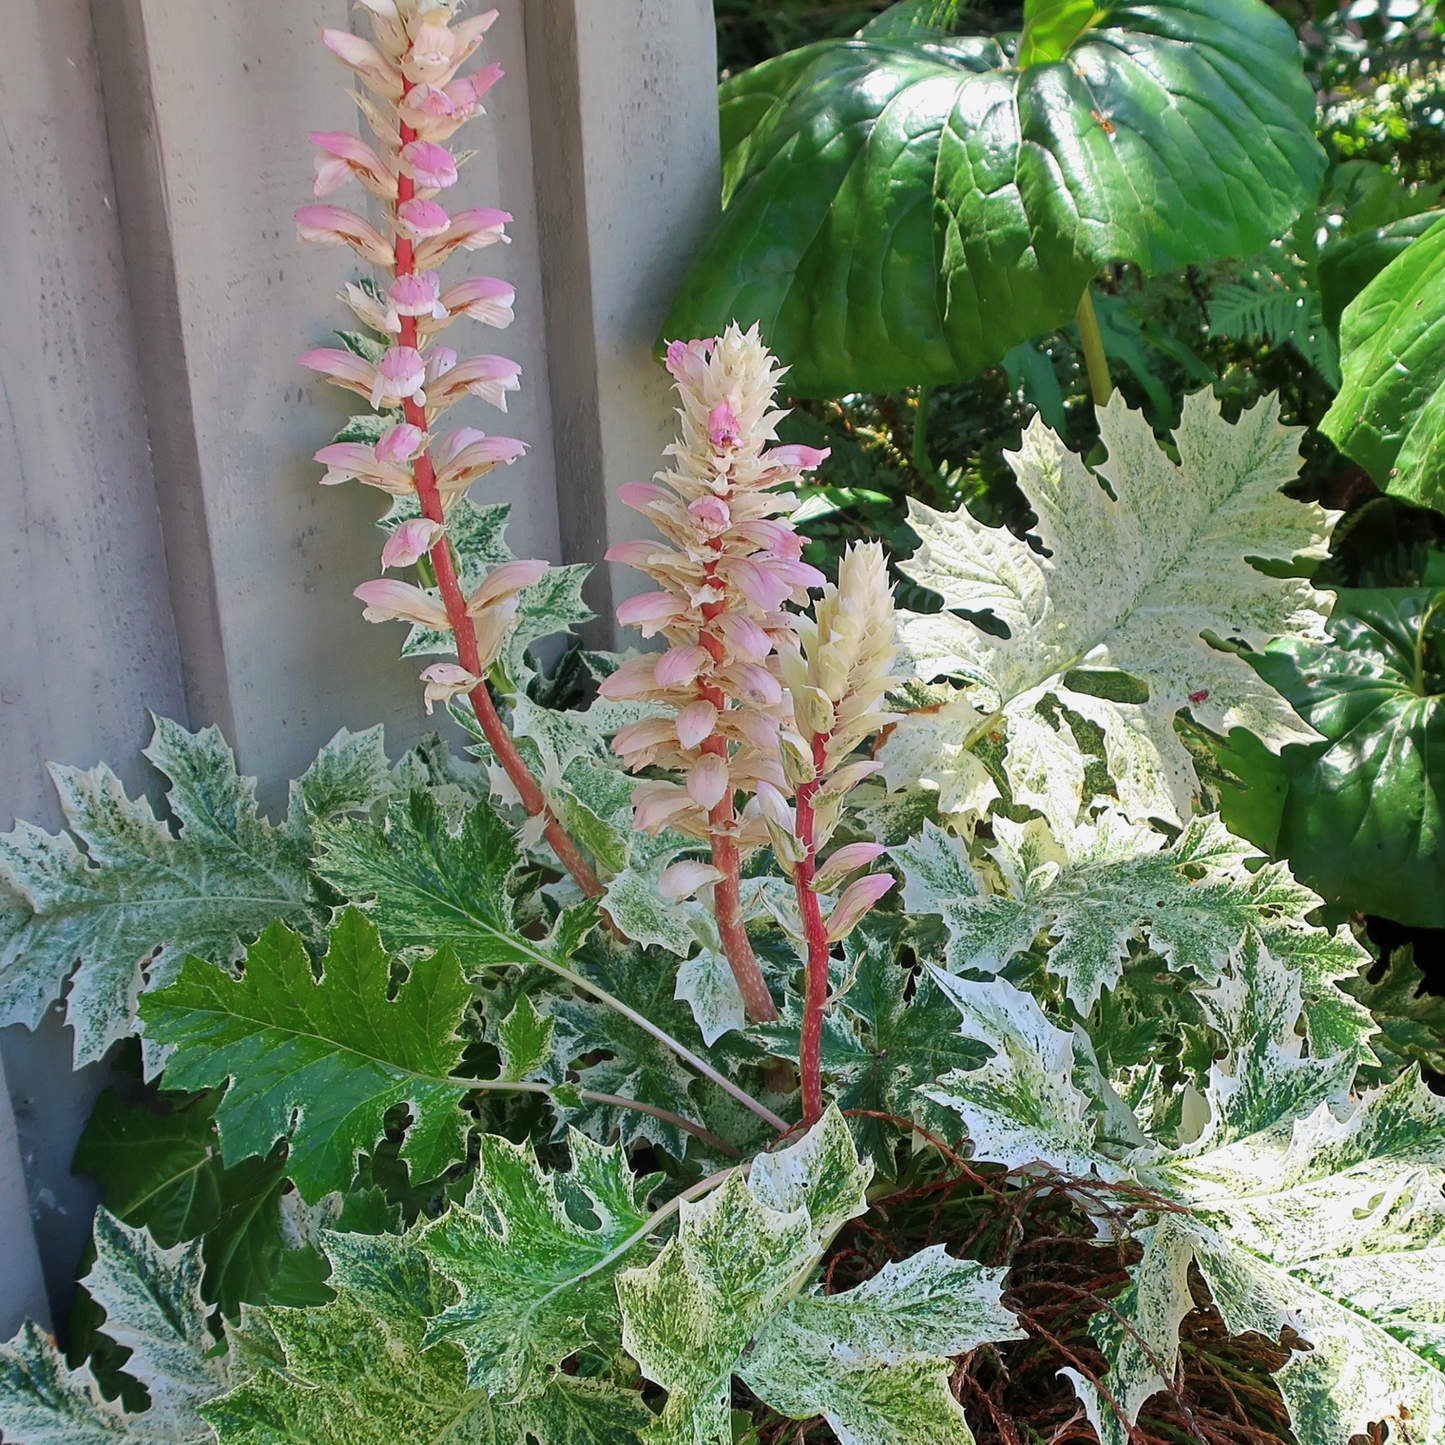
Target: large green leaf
535, 1283
154, 1308
1134, 580
356, 1371
1364, 819
137, 897
904, 208
1390, 413
164, 1172
319, 1061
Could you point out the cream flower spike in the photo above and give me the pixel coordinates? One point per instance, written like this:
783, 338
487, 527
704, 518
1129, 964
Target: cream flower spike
727, 563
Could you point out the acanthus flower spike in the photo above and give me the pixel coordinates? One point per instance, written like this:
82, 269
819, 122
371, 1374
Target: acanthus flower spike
726, 567
415, 98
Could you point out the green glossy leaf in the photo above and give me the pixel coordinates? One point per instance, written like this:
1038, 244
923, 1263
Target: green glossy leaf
1364, 820
154, 1308
133, 897
906, 207
1391, 409
1131, 583
1348, 265
535, 1285
164, 1173
319, 1061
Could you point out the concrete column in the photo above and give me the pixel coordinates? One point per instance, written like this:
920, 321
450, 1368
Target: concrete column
88, 642
627, 175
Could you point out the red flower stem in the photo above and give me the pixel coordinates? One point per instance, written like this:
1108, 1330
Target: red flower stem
463, 629
727, 899
815, 988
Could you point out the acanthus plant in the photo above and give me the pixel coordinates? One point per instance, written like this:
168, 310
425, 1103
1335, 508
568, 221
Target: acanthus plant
416, 1150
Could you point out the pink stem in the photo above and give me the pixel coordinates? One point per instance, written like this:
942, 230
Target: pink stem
463, 628
815, 988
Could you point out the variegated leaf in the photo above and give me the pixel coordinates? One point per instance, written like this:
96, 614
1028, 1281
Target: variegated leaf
1131, 582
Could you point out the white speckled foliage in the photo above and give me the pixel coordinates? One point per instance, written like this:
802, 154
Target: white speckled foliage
1302, 1204
1129, 582
153, 1307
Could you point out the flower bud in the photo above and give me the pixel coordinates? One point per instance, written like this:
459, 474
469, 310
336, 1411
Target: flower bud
857, 901
682, 880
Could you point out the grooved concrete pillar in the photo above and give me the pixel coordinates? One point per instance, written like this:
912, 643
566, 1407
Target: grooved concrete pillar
628, 180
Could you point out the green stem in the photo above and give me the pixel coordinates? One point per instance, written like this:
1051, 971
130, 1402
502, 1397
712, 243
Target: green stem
1100, 382
680, 1049
512, 1086
921, 463
1425, 622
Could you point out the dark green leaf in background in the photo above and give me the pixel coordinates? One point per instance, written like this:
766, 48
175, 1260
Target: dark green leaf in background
1390, 413
905, 211
1364, 820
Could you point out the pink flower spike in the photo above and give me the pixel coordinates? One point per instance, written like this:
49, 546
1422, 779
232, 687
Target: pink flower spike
857, 901
797, 458
638, 553
400, 374
634, 679
845, 861
342, 368
411, 541
722, 427
367, 61
431, 58
682, 880
439, 361
421, 220
678, 666
345, 156
483, 298
759, 729
400, 444
687, 360
444, 680
758, 582
794, 573
467, 92
712, 511
758, 684
388, 600
744, 635
708, 782
471, 230
647, 609
431, 100
649, 732
505, 581
417, 294
489, 377
433, 167
656, 804
695, 723
640, 495
336, 226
